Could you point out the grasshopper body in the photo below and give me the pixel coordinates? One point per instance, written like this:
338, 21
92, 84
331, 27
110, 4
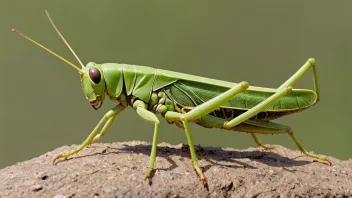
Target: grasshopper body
182, 98
183, 92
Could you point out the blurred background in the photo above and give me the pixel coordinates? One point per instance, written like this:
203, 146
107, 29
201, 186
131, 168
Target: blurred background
262, 42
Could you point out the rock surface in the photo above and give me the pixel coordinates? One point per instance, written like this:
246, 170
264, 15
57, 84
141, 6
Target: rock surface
117, 170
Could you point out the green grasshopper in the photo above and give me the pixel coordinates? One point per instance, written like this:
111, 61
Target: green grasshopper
183, 98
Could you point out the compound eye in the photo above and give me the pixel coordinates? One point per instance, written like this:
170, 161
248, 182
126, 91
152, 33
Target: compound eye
95, 75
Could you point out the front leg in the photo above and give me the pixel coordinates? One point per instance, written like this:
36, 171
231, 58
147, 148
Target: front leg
142, 111
108, 118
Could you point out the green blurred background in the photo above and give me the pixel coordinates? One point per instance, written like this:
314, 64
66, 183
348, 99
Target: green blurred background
262, 42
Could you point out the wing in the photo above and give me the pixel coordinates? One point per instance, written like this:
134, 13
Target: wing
188, 90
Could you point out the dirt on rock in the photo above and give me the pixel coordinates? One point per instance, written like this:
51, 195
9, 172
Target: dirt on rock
117, 170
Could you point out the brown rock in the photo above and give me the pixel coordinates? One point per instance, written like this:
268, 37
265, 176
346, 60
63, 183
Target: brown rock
117, 170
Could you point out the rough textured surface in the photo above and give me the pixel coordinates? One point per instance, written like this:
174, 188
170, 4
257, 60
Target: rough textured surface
117, 170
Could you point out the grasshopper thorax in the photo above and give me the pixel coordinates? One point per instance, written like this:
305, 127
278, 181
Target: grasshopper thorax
93, 84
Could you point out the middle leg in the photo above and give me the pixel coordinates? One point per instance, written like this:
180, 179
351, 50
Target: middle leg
142, 111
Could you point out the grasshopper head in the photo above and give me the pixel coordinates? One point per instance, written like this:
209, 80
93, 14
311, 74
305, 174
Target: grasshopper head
93, 84
92, 77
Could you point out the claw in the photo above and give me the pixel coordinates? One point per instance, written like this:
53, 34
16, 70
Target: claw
58, 157
327, 160
204, 181
147, 177
268, 148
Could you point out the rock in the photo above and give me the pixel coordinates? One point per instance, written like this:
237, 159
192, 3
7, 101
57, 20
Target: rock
117, 170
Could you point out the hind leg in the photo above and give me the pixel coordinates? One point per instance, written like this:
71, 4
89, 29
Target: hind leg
261, 127
285, 88
279, 128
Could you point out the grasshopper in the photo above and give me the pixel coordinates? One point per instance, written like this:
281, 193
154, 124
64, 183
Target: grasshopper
182, 98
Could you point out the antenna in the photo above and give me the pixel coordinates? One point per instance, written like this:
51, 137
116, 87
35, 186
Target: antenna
46, 49
58, 32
